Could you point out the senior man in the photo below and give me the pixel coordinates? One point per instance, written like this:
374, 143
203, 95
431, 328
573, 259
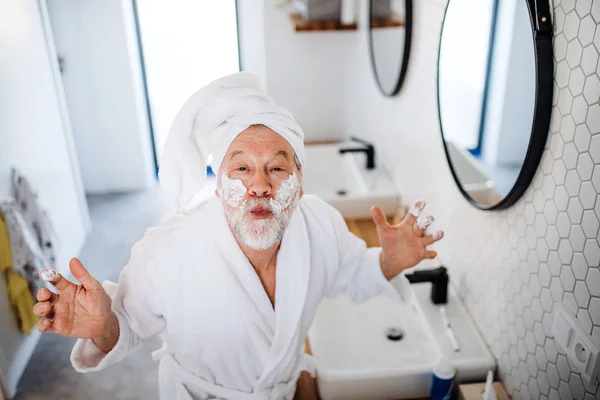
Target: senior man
231, 283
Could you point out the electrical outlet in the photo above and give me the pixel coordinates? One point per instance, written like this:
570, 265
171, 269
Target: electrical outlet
572, 339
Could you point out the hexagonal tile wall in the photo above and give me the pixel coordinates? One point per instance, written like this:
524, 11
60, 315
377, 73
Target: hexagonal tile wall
567, 224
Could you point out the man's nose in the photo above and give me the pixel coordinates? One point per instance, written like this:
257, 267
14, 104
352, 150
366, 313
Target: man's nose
261, 186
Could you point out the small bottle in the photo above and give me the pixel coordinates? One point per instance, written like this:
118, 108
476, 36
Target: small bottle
441, 382
348, 9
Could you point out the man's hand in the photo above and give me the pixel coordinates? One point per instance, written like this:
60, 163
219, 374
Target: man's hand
404, 245
81, 311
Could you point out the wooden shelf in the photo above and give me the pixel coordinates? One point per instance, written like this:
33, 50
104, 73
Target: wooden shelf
395, 21
302, 25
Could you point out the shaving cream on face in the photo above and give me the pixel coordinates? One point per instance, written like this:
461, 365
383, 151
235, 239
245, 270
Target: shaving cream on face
232, 190
50, 275
286, 194
417, 207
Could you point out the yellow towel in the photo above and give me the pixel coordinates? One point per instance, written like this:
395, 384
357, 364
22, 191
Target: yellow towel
18, 288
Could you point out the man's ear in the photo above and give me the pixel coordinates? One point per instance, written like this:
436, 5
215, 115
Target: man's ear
217, 193
301, 192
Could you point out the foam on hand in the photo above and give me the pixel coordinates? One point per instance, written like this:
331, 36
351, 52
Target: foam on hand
49, 275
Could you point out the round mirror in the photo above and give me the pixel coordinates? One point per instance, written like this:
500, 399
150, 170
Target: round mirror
495, 81
390, 30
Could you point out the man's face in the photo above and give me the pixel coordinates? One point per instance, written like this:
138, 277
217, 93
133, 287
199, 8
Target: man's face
259, 184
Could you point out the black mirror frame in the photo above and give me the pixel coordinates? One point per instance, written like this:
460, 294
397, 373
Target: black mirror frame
541, 24
406, 55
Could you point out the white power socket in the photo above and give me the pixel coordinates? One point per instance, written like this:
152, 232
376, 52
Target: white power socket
572, 339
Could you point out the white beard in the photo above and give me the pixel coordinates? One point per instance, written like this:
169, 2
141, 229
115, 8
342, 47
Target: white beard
258, 234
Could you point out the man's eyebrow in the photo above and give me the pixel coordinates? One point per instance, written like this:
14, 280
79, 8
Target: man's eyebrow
235, 153
284, 154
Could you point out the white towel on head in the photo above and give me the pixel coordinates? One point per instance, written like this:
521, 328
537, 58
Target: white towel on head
207, 124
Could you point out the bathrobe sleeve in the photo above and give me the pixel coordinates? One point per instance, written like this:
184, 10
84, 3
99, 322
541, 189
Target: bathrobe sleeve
359, 274
136, 305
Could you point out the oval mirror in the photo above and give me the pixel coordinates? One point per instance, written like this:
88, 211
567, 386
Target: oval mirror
390, 28
495, 82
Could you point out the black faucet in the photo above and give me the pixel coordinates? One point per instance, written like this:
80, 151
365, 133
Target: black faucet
439, 279
369, 150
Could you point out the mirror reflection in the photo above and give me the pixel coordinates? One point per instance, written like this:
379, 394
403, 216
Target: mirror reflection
388, 32
486, 84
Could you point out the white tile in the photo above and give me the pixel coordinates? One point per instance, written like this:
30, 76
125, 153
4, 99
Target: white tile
596, 12
582, 295
567, 278
567, 126
590, 224
594, 310
589, 60
592, 252
565, 101
593, 119
555, 120
583, 7
578, 112
553, 395
572, 184
556, 291
542, 250
583, 316
550, 212
565, 252
540, 338
574, 51
576, 81
591, 91
534, 390
597, 206
571, 26
596, 181
577, 238
554, 263
560, 53
563, 224
582, 138
548, 187
540, 225
543, 383
546, 298
575, 210
587, 196
552, 238
585, 166
522, 351
564, 371
568, 301
561, 197
587, 28
544, 276
579, 266
593, 282
531, 361
570, 154
595, 149
552, 354
576, 386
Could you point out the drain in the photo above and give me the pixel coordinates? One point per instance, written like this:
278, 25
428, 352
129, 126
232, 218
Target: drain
394, 334
342, 192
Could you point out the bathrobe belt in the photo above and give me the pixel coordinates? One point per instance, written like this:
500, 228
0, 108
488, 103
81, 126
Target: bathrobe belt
284, 390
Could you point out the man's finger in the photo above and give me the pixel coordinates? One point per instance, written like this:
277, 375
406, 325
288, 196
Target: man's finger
46, 325
44, 294
414, 212
82, 274
379, 218
431, 254
430, 239
422, 224
52, 276
43, 309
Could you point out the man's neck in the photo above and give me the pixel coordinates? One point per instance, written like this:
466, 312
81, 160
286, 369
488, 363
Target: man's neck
260, 259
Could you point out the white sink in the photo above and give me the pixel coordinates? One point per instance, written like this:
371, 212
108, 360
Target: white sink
343, 181
355, 359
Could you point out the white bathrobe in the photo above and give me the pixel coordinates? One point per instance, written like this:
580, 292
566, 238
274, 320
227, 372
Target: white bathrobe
189, 281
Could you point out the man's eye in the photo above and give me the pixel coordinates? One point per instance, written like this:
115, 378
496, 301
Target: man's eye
242, 169
278, 169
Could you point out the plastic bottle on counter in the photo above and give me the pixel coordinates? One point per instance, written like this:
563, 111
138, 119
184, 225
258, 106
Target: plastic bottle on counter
442, 379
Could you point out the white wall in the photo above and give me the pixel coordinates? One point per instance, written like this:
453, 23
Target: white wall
35, 137
103, 85
308, 68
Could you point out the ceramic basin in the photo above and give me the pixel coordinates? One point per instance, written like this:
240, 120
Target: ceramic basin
356, 359
343, 181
